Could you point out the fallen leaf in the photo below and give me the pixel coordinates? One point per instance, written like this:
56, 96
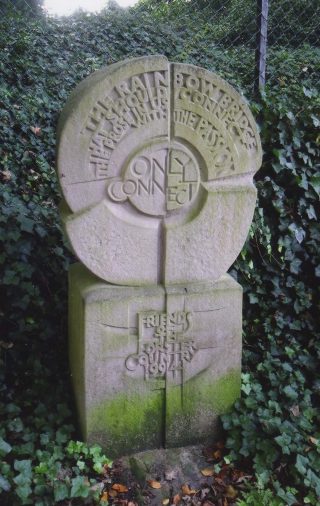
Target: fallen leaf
165, 502
176, 499
207, 471
6, 175
154, 484
231, 492
106, 468
295, 410
204, 492
35, 130
186, 490
118, 487
208, 503
113, 493
6, 346
224, 471
243, 478
105, 497
130, 503
217, 455
313, 440
97, 487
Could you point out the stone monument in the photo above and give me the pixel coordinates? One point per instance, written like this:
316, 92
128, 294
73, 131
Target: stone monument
155, 161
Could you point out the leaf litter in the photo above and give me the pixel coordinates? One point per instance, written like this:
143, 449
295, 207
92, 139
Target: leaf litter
222, 486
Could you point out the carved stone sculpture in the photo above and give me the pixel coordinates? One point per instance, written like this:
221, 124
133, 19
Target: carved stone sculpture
155, 161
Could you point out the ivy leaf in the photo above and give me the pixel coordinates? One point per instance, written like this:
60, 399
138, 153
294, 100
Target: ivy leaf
60, 490
287, 496
303, 182
308, 93
295, 266
24, 467
291, 117
81, 464
246, 388
298, 232
4, 484
290, 392
263, 478
61, 436
79, 487
315, 183
311, 212
26, 224
284, 441
24, 491
301, 464
5, 448
16, 425
253, 298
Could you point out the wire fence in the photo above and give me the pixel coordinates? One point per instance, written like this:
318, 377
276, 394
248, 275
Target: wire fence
281, 37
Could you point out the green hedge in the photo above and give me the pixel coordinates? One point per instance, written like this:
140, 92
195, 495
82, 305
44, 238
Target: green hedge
276, 423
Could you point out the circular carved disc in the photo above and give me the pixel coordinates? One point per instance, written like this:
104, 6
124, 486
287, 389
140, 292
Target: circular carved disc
155, 161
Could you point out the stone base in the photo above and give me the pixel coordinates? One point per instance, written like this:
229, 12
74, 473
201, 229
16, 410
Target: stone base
172, 467
153, 366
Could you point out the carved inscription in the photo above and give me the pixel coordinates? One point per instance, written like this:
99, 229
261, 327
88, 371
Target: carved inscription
155, 161
182, 179
210, 136
158, 181
216, 117
132, 104
205, 115
163, 347
218, 103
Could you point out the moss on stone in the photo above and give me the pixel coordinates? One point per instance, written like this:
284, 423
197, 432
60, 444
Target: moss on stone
135, 421
130, 422
194, 418
225, 391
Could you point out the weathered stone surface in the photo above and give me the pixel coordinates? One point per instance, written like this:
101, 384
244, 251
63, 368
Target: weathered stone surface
155, 162
153, 366
172, 467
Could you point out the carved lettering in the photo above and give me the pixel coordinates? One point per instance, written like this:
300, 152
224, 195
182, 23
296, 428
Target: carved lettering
131, 104
217, 102
166, 349
211, 137
207, 119
172, 176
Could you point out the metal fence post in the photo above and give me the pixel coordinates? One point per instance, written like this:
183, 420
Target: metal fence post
261, 45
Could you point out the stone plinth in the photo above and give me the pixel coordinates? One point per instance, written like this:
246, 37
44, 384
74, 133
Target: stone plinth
153, 366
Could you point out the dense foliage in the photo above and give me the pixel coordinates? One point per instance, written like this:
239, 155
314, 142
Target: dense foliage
275, 427
228, 22
277, 420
